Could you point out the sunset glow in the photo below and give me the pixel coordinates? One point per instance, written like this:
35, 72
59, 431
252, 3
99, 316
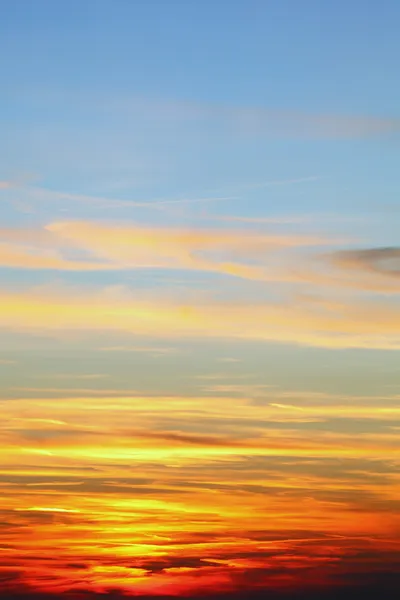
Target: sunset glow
199, 300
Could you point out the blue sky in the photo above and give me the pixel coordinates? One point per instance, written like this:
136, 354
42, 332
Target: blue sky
277, 117
344, 56
88, 71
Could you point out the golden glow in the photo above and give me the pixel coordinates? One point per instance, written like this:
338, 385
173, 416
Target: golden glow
123, 492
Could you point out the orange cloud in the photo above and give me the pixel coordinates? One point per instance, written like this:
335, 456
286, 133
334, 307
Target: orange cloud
239, 253
107, 247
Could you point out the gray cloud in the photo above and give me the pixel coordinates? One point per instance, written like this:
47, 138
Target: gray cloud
383, 261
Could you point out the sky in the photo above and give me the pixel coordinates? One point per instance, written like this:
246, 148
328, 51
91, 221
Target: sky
199, 300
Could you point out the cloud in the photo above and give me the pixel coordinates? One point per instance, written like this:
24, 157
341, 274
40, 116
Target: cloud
234, 252
82, 391
182, 494
371, 269
245, 187
155, 115
137, 502
262, 120
229, 359
300, 321
155, 351
92, 427
297, 124
72, 376
85, 246
50, 195
262, 220
246, 390
376, 261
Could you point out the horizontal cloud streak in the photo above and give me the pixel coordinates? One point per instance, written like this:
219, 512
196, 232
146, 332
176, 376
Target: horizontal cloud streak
104, 247
249, 120
300, 321
131, 495
241, 253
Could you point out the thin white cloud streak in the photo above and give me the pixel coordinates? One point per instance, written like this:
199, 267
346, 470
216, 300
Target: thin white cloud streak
279, 182
307, 218
262, 220
264, 184
37, 193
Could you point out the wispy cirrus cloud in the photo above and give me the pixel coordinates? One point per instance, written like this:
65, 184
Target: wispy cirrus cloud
108, 202
35, 198
235, 252
104, 246
261, 119
258, 120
